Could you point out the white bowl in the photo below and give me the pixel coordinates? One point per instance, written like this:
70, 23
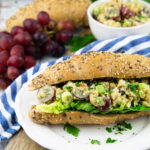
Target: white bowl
103, 32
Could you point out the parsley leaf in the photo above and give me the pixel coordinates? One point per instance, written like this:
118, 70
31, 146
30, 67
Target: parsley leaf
127, 125
147, 1
77, 84
78, 42
71, 129
133, 87
68, 88
95, 142
98, 84
59, 78
123, 126
109, 140
93, 0
108, 129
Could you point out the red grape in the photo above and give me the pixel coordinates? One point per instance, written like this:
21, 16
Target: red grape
43, 18
34, 51
16, 29
12, 72
15, 61
1, 49
52, 24
6, 42
31, 25
50, 47
53, 48
17, 50
2, 68
40, 38
3, 33
4, 83
125, 12
29, 62
107, 103
4, 55
23, 38
64, 36
59, 51
66, 25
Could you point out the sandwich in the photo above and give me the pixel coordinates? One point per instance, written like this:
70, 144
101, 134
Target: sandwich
93, 88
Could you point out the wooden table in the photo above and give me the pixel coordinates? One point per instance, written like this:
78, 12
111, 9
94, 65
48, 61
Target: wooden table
22, 142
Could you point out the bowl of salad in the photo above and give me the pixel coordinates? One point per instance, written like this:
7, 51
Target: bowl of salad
115, 18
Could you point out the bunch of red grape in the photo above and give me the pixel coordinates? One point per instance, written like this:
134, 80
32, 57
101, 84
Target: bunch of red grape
20, 48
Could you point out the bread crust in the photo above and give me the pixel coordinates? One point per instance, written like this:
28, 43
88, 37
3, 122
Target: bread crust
73, 10
78, 117
94, 65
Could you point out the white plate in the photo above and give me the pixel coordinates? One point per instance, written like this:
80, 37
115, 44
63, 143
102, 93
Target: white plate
54, 137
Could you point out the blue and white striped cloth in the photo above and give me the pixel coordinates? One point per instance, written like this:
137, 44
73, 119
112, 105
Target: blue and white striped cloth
8, 121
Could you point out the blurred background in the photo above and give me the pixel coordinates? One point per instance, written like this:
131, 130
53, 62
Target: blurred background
8, 8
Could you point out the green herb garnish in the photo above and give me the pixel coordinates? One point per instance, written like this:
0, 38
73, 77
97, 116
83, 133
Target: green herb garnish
98, 84
95, 142
133, 133
119, 127
133, 87
77, 83
127, 125
109, 129
59, 78
147, 1
78, 42
109, 140
68, 88
71, 129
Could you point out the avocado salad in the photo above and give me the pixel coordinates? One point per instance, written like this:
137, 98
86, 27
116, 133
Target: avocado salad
95, 96
120, 13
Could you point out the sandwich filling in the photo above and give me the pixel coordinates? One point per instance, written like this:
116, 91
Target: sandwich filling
95, 96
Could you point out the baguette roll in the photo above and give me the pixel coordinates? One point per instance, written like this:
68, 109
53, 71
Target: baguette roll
120, 89
94, 65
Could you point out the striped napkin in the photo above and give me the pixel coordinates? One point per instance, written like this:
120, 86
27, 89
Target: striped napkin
8, 121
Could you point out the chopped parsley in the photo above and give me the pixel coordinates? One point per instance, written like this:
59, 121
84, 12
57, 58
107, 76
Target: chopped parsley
109, 129
109, 140
98, 84
59, 78
127, 125
95, 142
119, 127
68, 88
71, 129
133, 87
78, 83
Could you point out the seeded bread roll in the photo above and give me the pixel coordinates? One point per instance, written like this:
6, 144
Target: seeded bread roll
73, 10
77, 117
94, 65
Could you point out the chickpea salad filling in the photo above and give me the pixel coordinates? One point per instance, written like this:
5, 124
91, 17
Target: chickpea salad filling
120, 13
96, 96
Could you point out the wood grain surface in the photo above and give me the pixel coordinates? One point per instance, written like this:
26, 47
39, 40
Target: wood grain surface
22, 142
